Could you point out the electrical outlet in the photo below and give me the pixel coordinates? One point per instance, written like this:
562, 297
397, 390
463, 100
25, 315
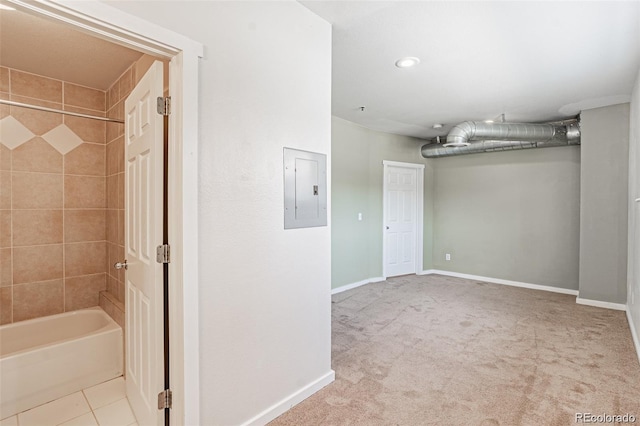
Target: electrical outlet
359, 216
447, 256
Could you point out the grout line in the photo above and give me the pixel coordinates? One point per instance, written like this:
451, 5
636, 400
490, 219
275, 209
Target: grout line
11, 212
64, 238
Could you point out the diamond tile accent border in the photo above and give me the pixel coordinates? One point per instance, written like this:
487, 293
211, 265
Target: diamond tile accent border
62, 138
13, 133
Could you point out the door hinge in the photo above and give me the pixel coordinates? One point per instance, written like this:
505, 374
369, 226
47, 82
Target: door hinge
163, 254
164, 105
164, 399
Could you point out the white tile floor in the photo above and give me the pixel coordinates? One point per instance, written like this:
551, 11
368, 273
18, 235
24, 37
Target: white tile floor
105, 404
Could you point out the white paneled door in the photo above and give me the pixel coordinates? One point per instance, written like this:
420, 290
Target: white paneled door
143, 233
401, 219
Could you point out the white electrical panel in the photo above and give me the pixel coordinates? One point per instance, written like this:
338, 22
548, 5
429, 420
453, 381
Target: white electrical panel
305, 189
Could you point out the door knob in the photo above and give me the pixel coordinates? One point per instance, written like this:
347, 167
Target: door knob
121, 265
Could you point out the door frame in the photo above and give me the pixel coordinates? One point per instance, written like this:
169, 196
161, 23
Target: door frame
111, 24
419, 249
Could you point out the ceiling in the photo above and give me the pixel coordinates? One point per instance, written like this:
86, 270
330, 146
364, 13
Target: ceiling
47, 48
532, 61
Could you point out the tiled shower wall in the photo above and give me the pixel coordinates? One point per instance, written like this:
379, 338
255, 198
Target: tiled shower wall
53, 222
62, 205
112, 300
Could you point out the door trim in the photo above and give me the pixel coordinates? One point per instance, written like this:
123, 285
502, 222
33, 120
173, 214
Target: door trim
101, 20
419, 212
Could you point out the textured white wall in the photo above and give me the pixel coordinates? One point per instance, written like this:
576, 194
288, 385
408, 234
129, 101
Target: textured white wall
633, 266
265, 84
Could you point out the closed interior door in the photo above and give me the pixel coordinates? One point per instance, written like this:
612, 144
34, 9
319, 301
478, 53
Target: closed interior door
143, 233
400, 220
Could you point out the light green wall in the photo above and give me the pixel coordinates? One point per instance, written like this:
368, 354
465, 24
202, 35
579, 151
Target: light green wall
604, 203
357, 155
513, 215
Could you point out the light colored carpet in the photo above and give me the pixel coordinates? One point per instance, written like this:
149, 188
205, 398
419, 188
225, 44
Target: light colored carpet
436, 350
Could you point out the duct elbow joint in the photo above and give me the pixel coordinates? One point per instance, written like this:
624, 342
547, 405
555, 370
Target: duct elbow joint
460, 134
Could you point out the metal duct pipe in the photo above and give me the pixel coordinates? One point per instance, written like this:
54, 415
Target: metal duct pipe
474, 137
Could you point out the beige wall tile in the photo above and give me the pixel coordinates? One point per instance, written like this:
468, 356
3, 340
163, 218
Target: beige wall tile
6, 278
117, 111
83, 292
114, 130
126, 83
112, 258
119, 317
34, 101
112, 226
119, 291
84, 97
5, 110
5, 190
38, 122
121, 227
86, 159
36, 155
89, 130
115, 156
4, 79
36, 191
5, 158
84, 258
5, 228
116, 254
112, 285
114, 93
107, 100
106, 304
121, 190
112, 192
35, 86
84, 192
37, 299
84, 225
84, 111
142, 65
37, 227
6, 303
37, 263
112, 310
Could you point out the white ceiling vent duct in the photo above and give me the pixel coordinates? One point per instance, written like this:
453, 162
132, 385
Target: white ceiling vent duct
473, 137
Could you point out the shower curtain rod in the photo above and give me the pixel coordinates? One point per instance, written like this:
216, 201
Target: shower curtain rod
75, 114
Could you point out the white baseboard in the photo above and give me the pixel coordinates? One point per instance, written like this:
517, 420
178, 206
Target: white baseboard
634, 334
504, 282
599, 304
356, 284
295, 398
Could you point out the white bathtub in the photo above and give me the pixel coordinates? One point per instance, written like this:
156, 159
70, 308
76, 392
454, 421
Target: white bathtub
46, 358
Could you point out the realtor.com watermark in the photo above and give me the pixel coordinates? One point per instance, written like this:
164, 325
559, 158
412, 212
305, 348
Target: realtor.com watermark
605, 418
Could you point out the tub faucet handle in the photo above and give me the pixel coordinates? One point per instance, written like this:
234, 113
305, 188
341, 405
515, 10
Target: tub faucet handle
121, 265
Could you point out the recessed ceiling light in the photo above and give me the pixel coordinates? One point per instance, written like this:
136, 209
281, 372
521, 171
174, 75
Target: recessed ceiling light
3, 7
437, 126
407, 62
488, 121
